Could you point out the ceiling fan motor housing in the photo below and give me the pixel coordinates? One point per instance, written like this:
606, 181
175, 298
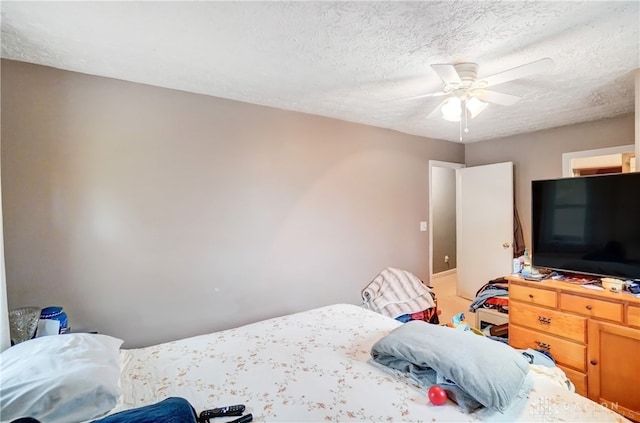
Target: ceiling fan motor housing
468, 73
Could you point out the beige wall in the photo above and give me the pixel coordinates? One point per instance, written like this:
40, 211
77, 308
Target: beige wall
538, 155
152, 214
443, 220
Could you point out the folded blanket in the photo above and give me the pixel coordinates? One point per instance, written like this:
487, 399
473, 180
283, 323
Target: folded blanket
480, 372
395, 292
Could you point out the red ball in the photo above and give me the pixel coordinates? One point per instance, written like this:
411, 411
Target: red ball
437, 395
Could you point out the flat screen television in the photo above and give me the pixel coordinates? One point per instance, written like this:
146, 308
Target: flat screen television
587, 225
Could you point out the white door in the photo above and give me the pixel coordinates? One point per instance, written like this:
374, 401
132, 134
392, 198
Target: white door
484, 225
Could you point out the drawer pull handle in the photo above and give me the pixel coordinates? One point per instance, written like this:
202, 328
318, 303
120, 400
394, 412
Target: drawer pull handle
593, 362
530, 295
543, 345
544, 320
589, 307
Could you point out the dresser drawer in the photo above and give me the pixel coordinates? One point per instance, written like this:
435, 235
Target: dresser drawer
567, 353
633, 316
549, 321
533, 295
591, 307
578, 379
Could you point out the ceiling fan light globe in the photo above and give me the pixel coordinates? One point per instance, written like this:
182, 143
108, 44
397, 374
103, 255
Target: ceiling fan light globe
475, 106
452, 109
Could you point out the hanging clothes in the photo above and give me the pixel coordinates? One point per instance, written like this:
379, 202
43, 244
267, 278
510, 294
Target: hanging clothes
518, 237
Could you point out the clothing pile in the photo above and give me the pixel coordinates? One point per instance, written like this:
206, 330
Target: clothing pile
494, 294
402, 296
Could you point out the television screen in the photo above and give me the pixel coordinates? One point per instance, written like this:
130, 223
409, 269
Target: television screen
588, 225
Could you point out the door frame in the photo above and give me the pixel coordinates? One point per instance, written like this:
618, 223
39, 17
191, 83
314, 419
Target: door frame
567, 171
432, 164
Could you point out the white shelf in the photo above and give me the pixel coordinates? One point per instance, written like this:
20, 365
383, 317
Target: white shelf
493, 317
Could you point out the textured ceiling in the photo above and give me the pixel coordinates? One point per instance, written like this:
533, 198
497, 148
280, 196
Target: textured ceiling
349, 60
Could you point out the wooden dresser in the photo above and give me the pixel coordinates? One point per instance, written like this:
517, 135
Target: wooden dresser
593, 335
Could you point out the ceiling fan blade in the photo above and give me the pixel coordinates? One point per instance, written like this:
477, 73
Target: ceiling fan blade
496, 97
447, 73
538, 66
415, 97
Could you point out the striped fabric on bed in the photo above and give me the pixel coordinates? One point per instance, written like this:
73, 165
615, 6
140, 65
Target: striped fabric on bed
395, 292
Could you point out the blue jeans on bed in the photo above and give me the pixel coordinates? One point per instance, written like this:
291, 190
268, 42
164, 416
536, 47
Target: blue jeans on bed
170, 410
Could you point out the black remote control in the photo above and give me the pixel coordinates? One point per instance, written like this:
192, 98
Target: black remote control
231, 410
243, 419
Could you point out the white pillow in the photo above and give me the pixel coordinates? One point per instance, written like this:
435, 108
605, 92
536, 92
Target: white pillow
61, 378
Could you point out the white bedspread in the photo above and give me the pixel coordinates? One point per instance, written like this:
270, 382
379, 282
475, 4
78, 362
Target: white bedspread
314, 366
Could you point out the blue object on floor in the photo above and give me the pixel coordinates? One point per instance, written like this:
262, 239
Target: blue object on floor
404, 318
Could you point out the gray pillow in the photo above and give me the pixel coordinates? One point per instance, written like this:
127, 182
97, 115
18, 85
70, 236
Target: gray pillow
490, 372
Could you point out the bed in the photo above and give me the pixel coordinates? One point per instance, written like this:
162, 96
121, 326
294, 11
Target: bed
313, 366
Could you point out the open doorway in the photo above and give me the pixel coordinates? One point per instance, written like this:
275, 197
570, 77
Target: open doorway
442, 215
599, 161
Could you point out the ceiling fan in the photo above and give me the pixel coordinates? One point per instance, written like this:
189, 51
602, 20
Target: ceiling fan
469, 94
